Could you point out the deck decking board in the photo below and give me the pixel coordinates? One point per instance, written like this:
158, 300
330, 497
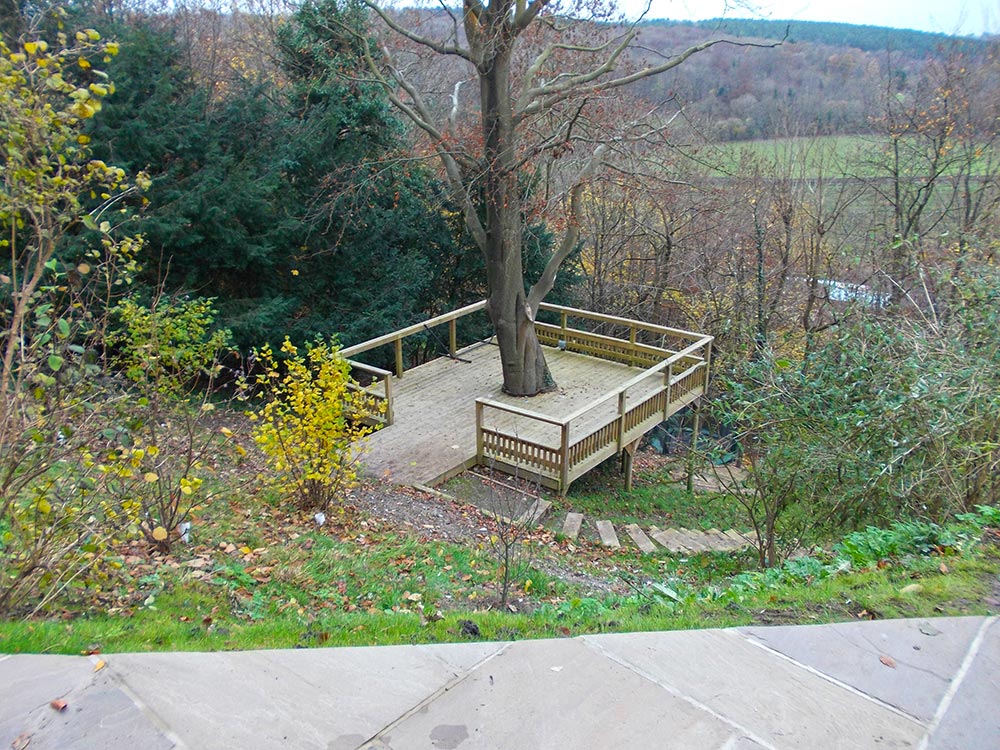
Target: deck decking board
434, 405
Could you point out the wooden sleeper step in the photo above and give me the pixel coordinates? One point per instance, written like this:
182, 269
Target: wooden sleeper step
571, 525
640, 538
607, 532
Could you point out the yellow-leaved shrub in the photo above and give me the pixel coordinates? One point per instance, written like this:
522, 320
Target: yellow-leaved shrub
313, 422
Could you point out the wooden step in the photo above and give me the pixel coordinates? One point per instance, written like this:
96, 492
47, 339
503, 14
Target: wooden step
640, 538
607, 532
694, 540
718, 540
535, 512
571, 525
738, 540
671, 539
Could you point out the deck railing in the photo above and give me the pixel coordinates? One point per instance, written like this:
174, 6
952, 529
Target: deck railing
384, 414
675, 362
563, 449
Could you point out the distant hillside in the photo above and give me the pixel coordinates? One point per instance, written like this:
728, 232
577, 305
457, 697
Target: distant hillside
867, 38
822, 79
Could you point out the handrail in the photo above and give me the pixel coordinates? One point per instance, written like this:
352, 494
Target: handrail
518, 411
651, 327
638, 345
402, 333
385, 378
588, 449
562, 421
369, 368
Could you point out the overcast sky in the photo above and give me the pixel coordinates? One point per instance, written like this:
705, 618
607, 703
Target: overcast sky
947, 16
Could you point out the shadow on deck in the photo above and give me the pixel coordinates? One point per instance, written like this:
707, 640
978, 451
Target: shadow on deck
450, 414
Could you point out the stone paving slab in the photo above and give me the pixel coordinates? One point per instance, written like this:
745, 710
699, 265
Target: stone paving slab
925, 654
327, 699
98, 714
640, 538
965, 719
553, 695
812, 687
673, 540
535, 512
694, 540
777, 703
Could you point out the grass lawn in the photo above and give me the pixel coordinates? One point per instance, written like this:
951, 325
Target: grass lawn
258, 575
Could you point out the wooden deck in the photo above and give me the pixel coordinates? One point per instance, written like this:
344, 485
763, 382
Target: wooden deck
433, 434
450, 414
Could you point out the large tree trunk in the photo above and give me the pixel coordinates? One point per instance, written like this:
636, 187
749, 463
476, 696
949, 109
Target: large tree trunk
525, 372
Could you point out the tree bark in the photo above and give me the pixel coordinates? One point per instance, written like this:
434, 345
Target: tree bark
525, 372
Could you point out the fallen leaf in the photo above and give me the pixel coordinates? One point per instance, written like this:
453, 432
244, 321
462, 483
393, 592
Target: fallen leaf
21, 742
888, 661
943, 568
160, 533
99, 665
58, 704
913, 588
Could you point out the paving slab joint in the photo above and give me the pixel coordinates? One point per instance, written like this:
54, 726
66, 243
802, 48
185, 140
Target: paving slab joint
956, 682
754, 641
674, 691
447, 687
154, 718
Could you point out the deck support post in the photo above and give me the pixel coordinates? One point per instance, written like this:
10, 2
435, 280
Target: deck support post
667, 377
479, 432
628, 459
388, 399
564, 458
631, 341
693, 448
399, 357
621, 421
452, 337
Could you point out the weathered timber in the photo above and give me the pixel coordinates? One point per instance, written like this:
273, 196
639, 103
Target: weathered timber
535, 513
606, 531
571, 525
613, 388
640, 538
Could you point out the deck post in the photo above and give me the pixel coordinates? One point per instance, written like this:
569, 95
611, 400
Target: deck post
708, 367
667, 377
399, 357
564, 458
479, 431
562, 321
621, 421
388, 399
627, 455
631, 341
452, 337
